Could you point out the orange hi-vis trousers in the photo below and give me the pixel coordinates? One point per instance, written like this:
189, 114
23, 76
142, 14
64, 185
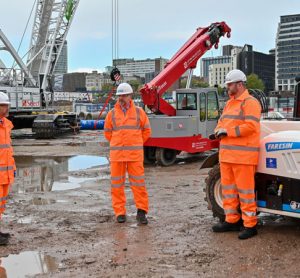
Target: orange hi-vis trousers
238, 190
135, 170
4, 190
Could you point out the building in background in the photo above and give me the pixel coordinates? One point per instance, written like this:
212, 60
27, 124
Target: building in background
74, 82
217, 74
93, 81
287, 52
62, 62
206, 62
132, 67
261, 64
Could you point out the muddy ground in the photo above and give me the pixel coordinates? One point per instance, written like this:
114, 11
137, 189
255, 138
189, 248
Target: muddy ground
62, 223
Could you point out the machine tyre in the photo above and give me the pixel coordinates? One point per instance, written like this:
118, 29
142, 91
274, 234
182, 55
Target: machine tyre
149, 155
165, 157
214, 193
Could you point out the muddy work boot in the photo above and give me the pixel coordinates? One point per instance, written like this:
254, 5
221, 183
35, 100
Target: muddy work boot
121, 218
223, 227
6, 235
3, 240
141, 217
247, 233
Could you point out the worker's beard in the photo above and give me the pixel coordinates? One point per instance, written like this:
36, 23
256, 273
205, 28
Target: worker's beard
123, 102
233, 91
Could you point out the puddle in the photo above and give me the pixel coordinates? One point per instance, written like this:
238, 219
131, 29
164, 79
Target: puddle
82, 162
45, 174
27, 264
24, 220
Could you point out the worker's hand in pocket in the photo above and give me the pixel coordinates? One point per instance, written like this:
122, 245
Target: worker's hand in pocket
221, 133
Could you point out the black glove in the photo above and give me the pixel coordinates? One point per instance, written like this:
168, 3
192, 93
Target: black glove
212, 136
222, 132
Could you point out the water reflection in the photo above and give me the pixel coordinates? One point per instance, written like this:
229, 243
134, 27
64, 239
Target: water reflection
26, 264
36, 174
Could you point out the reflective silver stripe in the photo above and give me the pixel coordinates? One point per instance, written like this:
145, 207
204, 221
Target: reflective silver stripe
5, 146
107, 129
3, 198
246, 191
146, 126
252, 118
136, 177
237, 131
117, 178
7, 168
113, 117
230, 196
117, 185
228, 187
137, 184
247, 201
231, 211
127, 127
239, 148
236, 117
124, 148
249, 213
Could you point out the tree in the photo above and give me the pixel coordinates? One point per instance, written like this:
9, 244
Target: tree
135, 84
254, 82
196, 83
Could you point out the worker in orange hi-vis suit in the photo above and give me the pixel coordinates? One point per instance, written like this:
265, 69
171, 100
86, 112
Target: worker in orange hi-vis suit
7, 162
127, 127
239, 132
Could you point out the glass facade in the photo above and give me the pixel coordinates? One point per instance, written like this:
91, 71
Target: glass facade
287, 52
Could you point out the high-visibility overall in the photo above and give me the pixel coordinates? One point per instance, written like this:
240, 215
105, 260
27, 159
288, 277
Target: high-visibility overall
238, 157
127, 133
7, 162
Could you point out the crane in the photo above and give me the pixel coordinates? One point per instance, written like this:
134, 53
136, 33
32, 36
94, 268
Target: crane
186, 127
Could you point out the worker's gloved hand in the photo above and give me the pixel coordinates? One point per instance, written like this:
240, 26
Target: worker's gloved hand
221, 133
212, 136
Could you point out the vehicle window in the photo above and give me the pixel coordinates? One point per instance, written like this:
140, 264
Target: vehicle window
212, 106
186, 101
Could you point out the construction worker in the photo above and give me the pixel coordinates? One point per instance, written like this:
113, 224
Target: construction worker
127, 128
239, 132
7, 162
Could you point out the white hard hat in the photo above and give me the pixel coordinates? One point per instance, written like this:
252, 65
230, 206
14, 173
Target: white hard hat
124, 89
4, 98
235, 76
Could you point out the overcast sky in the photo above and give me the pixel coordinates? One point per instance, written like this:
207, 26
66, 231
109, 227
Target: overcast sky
152, 28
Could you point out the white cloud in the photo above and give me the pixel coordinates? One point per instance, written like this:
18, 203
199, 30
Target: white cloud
89, 70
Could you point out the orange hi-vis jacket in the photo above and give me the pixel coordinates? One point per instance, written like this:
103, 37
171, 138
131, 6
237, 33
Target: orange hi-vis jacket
241, 119
7, 162
127, 133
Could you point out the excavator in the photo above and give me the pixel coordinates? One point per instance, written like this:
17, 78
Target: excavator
186, 127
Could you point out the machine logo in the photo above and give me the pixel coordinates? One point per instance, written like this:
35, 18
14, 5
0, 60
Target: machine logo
294, 205
281, 146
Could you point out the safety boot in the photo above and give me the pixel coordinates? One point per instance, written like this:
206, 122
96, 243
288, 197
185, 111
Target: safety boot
6, 235
223, 227
3, 240
247, 233
121, 218
141, 217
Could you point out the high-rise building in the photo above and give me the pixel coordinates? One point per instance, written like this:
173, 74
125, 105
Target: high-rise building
261, 64
62, 62
287, 52
93, 81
